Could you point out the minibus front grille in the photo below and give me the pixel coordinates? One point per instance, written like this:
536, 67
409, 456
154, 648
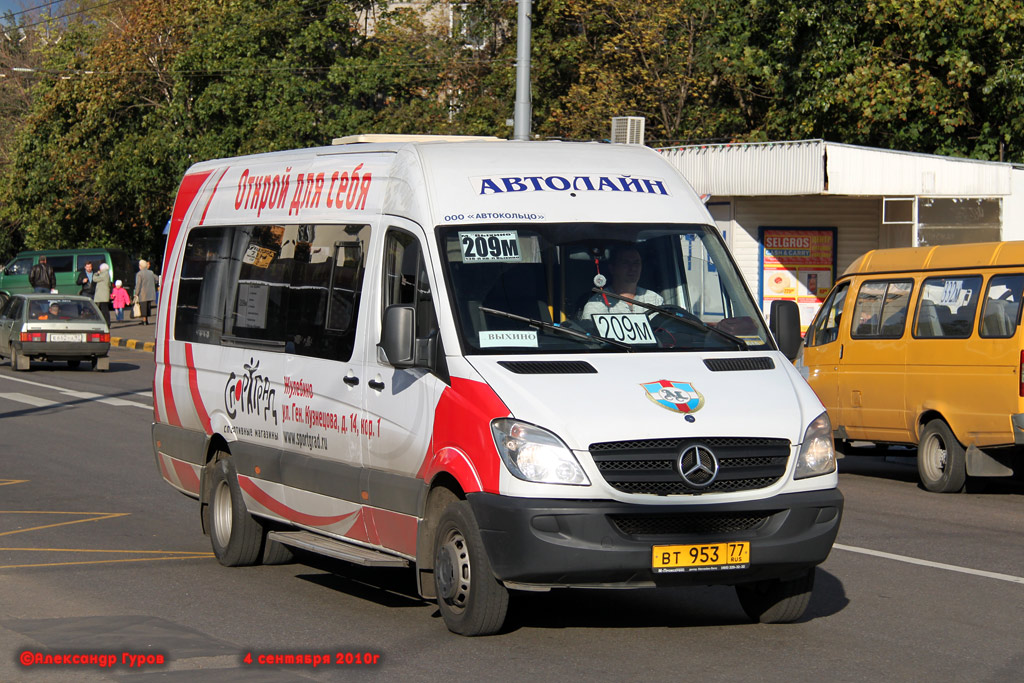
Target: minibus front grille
651, 466
716, 524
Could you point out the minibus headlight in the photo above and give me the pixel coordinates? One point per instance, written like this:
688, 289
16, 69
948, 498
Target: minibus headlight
817, 453
535, 454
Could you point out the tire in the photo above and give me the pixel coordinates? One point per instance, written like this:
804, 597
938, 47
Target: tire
776, 601
471, 600
236, 537
941, 460
73, 364
274, 552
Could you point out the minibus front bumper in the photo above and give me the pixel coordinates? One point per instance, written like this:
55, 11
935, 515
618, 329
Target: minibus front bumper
543, 542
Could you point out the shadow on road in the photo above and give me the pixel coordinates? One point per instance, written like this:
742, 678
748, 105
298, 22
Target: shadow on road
692, 606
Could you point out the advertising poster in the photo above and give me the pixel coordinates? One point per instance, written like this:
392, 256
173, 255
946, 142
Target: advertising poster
797, 264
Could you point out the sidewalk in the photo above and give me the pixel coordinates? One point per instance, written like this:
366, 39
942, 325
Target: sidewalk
133, 334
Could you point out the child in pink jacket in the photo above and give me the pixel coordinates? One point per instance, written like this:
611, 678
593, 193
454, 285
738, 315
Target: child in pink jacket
119, 297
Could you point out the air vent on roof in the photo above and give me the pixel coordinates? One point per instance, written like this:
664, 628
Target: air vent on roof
628, 130
733, 364
548, 367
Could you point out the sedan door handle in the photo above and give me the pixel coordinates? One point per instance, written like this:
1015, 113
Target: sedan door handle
351, 380
374, 384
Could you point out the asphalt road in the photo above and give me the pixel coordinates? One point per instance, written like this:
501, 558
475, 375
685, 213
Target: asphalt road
99, 557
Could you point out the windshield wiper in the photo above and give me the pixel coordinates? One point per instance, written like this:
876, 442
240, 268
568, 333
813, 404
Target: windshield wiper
544, 325
692, 322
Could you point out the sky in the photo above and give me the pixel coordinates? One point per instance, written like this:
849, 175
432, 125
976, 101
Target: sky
19, 5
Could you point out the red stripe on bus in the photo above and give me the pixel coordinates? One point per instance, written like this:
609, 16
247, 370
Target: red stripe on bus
186, 475
190, 186
279, 508
162, 459
193, 387
209, 201
395, 531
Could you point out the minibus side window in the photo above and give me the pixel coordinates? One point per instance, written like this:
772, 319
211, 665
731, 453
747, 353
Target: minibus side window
826, 325
881, 309
202, 285
946, 307
20, 266
94, 259
406, 281
1000, 313
61, 263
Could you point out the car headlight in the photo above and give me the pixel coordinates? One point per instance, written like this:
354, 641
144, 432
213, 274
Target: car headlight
535, 454
817, 452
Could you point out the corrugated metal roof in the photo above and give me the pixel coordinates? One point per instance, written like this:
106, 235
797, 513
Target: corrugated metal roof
812, 167
752, 169
867, 171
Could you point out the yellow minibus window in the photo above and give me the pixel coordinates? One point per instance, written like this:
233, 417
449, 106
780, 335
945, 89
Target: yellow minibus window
946, 307
881, 309
825, 328
1000, 312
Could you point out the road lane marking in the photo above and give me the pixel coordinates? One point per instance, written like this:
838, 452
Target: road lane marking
5, 482
97, 517
929, 563
136, 559
164, 555
86, 395
31, 400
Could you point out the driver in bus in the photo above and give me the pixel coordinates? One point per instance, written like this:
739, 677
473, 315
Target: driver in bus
625, 266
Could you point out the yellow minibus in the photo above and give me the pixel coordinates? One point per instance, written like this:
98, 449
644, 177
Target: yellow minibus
922, 346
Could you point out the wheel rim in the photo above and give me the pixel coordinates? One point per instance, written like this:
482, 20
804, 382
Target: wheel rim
935, 457
453, 570
222, 514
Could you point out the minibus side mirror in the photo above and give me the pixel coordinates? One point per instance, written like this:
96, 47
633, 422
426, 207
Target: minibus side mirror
784, 322
397, 337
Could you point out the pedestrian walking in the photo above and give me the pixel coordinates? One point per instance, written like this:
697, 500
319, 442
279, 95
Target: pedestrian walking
119, 299
145, 290
101, 281
41, 277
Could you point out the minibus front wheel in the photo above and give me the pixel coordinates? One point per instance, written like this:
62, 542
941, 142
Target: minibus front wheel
941, 460
471, 600
776, 601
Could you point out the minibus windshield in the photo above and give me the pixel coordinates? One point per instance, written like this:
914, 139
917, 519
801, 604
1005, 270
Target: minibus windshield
600, 287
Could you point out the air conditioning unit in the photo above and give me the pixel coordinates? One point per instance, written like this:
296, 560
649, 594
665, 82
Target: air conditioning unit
628, 130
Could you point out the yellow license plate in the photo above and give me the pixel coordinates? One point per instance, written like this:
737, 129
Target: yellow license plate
703, 557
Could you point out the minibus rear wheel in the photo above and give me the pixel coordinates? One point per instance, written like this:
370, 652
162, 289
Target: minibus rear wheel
941, 460
236, 537
471, 600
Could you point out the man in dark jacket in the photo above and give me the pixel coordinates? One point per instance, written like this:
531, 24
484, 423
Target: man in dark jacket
41, 277
84, 279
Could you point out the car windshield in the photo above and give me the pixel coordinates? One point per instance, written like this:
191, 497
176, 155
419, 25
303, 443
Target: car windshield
597, 287
62, 309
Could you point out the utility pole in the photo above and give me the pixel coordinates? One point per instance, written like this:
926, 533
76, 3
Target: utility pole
521, 130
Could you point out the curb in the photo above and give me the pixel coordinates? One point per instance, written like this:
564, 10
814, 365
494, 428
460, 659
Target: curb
133, 344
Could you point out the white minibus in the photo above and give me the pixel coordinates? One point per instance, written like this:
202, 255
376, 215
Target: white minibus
506, 365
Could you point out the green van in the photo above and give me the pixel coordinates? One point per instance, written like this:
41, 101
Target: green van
66, 264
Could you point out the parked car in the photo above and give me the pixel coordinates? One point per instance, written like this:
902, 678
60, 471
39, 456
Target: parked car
66, 264
49, 327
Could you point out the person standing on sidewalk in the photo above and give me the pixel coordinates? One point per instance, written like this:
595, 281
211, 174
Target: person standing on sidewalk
84, 279
145, 290
119, 298
101, 281
41, 277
